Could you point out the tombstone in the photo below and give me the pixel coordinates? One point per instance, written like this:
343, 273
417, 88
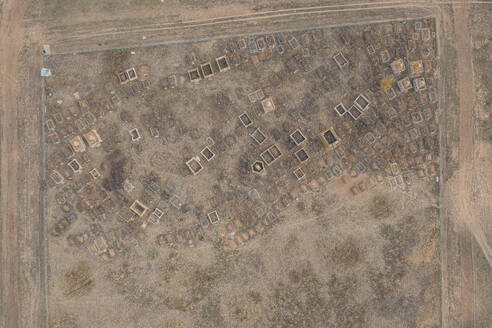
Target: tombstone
176, 201
213, 217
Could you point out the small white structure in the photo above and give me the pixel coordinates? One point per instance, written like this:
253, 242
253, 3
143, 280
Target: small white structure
194, 165
135, 134
45, 72
75, 166
213, 217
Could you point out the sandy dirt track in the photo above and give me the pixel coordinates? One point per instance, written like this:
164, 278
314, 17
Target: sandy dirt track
459, 206
21, 303
69, 40
462, 194
10, 36
465, 209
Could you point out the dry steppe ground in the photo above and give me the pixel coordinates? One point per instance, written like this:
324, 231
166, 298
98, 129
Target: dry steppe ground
358, 235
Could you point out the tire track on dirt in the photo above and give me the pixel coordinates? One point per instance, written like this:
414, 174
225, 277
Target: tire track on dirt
263, 15
69, 44
235, 19
232, 18
11, 37
464, 206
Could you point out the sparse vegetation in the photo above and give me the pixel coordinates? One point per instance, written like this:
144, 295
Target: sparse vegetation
347, 312
317, 207
291, 242
340, 252
301, 206
346, 253
248, 308
399, 242
152, 254
66, 321
210, 315
381, 208
485, 127
78, 280
173, 324
298, 302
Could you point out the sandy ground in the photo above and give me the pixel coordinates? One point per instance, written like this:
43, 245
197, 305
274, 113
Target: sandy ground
460, 193
22, 298
11, 38
463, 193
80, 38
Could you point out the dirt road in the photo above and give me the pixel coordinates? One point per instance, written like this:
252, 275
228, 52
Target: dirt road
70, 39
11, 36
462, 188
